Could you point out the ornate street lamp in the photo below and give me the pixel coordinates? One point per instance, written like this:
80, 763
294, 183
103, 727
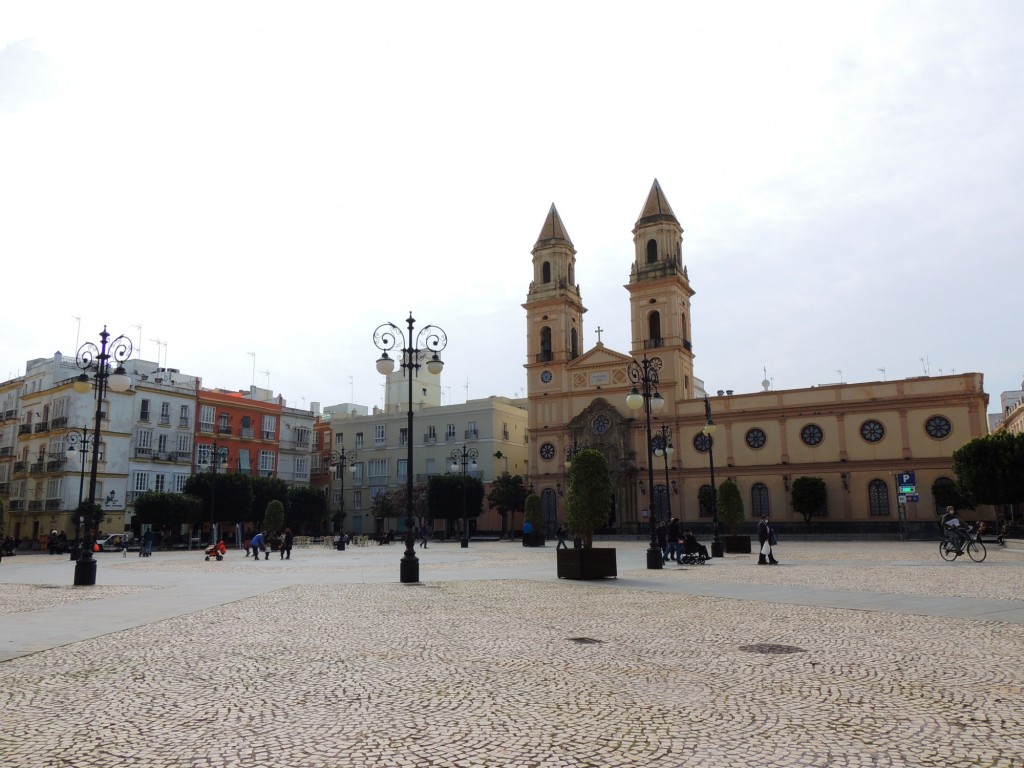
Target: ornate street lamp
97, 360
340, 460
663, 447
644, 375
430, 339
82, 442
464, 457
717, 550
217, 458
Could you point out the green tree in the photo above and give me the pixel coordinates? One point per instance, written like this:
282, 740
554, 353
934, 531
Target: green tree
990, 470
3, 519
232, 496
947, 494
588, 502
273, 517
532, 513
508, 496
266, 490
730, 505
420, 511
384, 507
307, 509
444, 497
809, 497
168, 512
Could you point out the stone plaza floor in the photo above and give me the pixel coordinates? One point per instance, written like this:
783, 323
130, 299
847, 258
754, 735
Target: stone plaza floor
847, 654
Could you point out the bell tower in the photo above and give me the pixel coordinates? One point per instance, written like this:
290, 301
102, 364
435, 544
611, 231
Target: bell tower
659, 296
554, 309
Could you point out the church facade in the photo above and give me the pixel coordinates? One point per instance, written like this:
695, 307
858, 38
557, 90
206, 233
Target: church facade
861, 439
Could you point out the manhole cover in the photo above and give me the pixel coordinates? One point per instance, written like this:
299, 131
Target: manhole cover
771, 648
585, 640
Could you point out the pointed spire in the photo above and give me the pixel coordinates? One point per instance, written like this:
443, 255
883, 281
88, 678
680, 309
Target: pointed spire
552, 229
656, 208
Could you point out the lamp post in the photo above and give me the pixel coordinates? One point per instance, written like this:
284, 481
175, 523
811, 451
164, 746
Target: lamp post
430, 338
218, 458
644, 375
340, 460
464, 457
663, 447
717, 550
82, 441
98, 361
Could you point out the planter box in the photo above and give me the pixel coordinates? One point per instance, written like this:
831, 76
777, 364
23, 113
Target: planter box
535, 539
586, 563
737, 545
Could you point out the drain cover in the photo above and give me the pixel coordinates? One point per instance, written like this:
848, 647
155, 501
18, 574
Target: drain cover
585, 640
771, 648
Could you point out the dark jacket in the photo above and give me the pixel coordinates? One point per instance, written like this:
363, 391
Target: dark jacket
763, 531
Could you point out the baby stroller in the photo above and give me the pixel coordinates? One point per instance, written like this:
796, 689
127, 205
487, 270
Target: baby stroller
218, 550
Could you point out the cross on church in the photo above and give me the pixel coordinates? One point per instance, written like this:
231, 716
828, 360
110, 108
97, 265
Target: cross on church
599, 331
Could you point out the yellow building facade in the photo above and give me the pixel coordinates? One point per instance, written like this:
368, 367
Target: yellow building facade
859, 438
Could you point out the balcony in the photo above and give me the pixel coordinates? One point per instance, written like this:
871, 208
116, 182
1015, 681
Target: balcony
268, 434
184, 455
144, 416
204, 427
42, 426
21, 466
378, 479
35, 505
36, 469
654, 343
11, 414
60, 423
545, 357
246, 432
143, 453
223, 429
165, 421
472, 434
7, 450
4, 487
52, 504
17, 505
55, 465
24, 429
183, 421
430, 439
449, 438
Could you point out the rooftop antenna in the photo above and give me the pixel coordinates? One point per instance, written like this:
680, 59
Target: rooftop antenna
78, 333
883, 373
449, 391
139, 347
925, 365
253, 356
351, 390
467, 389
840, 372
267, 374
158, 343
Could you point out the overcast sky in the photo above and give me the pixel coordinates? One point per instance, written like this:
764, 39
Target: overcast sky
258, 185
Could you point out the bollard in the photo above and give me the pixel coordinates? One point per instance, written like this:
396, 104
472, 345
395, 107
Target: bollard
85, 573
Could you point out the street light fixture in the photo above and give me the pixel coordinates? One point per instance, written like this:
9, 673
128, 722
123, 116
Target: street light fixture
717, 550
430, 339
98, 361
341, 459
644, 375
82, 441
663, 447
218, 458
464, 457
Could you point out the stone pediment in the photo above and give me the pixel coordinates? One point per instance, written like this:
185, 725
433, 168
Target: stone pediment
600, 355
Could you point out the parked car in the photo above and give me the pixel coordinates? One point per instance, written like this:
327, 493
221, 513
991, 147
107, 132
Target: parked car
115, 543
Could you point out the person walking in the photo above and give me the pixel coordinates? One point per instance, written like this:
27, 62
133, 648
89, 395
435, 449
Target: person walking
674, 535
562, 533
286, 545
424, 535
661, 532
764, 538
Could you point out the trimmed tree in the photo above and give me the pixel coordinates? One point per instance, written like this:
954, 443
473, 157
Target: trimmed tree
273, 518
947, 494
167, 512
730, 506
532, 513
307, 510
507, 495
588, 502
990, 470
809, 496
384, 507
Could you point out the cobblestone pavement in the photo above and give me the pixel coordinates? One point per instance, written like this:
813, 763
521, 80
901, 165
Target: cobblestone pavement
318, 669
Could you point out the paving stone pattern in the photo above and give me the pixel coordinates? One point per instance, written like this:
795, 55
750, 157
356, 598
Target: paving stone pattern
517, 673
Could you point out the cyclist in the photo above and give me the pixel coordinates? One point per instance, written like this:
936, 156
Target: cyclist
954, 529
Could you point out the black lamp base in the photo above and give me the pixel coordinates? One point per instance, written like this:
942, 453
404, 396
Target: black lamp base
655, 560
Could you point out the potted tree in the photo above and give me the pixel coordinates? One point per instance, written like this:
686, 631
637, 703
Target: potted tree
587, 508
730, 512
533, 516
810, 495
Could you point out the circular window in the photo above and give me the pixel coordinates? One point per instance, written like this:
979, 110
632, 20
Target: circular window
812, 434
547, 451
938, 427
600, 424
872, 431
756, 438
702, 442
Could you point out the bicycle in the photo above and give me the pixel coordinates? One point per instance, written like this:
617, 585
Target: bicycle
975, 548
